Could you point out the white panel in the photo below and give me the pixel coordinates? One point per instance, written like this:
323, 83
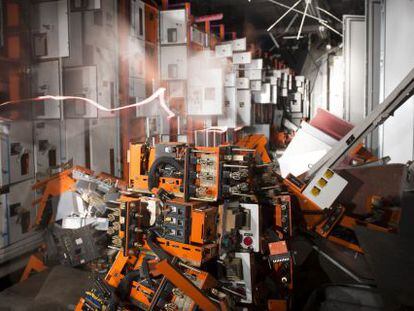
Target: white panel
239, 45
242, 83
19, 201
173, 62
205, 92
21, 151
354, 60
398, 130
244, 107
224, 50
253, 228
75, 141
255, 64
242, 58
103, 139
46, 81
263, 97
50, 29
254, 74
256, 85
47, 146
324, 188
138, 19
173, 27
230, 80
80, 82
229, 116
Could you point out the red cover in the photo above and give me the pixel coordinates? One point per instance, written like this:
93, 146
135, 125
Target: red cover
330, 124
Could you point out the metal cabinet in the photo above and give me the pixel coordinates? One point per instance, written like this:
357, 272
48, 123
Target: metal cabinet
354, 61
229, 116
263, 97
103, 144
46, 81
138, 19
76, 141
80, 82
76, 35
20, 151
243, 83
205, 92
242, 58
224, 50
50, 26
173, 27
47, 146
136, 55
21, 214
174, 62
244, 107
239, 45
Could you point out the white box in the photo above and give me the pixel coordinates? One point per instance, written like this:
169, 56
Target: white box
205, 92
324, 188
243, 83
229, 116
224, 50
244, 107
254, 74
256, 63
48, 139
174, 62
230, 80
138, 19
173, 24
46, 81
263, 97
239, 45
256, 85
50, 29
80, 82
242, 58
136, 55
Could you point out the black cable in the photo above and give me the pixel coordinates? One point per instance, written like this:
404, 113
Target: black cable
153, 174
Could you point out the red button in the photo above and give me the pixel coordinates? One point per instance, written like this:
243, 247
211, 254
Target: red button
248, 241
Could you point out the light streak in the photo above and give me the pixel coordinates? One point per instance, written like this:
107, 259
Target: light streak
160, 94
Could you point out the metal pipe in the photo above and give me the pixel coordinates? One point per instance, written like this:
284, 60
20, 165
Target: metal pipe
329, 14
297, 11
286, 13
303, 19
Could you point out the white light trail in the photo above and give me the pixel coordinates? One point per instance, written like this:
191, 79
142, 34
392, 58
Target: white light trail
160, 94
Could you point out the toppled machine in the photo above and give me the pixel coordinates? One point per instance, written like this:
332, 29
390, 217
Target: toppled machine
210, 228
